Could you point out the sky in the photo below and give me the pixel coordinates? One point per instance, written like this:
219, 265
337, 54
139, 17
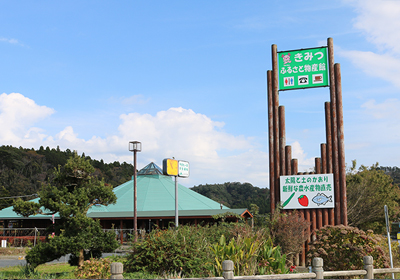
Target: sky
188, 80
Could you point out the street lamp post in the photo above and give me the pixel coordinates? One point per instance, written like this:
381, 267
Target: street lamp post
135, 146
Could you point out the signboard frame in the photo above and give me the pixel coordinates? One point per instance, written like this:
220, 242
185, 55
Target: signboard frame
299, 71
312, 191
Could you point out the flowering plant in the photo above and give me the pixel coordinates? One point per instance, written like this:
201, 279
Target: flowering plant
94, 269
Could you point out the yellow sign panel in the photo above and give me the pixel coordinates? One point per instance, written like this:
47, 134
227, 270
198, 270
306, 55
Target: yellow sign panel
170, 167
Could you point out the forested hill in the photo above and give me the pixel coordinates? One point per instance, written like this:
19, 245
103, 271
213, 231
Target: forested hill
23, 171
393, 172
236, 195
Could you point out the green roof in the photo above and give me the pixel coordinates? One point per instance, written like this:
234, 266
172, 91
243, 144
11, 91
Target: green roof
154, 193
9, 214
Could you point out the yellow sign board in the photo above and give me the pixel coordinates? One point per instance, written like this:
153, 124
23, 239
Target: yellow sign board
170, 167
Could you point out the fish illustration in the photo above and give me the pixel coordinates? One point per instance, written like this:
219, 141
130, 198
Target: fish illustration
321, 199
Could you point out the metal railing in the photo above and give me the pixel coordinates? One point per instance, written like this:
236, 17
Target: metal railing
127, 234
23, 236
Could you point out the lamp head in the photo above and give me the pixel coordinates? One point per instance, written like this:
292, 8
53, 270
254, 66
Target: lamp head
135, 146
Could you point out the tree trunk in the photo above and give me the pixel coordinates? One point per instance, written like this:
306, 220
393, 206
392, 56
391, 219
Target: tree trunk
81, 258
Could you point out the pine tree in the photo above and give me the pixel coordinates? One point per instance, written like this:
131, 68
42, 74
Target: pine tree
73, 192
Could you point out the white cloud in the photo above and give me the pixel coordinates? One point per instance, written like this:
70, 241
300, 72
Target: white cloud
388, 109
215, 156
180, 130
17, 114
137, 99
10, 41
384, 66
372, 130
379, 20
186, 135
305, 164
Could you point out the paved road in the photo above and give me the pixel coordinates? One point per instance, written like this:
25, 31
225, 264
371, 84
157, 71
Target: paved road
14, 261
11, 262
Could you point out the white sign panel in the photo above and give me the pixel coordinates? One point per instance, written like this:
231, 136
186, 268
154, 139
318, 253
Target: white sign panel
183, 170
307, 191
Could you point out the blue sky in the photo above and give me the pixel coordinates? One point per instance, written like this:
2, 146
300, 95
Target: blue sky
188, 80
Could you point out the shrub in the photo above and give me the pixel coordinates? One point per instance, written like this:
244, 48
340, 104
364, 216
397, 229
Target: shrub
94, 269
289, 231
182, 251
271, 260
343, 248
242, 251
245, 231
250, 256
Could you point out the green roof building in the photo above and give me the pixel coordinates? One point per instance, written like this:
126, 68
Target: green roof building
155, 205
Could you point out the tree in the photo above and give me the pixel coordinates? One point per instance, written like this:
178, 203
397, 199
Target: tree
24, 171
4, 202
368, 190
74, 191
236, 195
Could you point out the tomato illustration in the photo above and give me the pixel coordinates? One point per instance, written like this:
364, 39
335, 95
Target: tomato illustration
303, 200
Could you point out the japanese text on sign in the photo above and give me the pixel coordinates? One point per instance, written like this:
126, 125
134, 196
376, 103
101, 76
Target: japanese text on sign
307, 191
303, 68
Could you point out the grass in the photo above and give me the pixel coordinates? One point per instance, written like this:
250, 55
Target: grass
59, 271
45, 271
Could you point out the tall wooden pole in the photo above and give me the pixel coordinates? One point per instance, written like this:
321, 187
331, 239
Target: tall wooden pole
282, 139
335, 153
341, 152
288, 154
275, 95
271, 142
329, 168
325, 211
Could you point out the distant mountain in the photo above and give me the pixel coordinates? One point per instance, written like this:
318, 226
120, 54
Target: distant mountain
23, 171
236, 195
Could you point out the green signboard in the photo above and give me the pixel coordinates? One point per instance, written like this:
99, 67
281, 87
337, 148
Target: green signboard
304, 68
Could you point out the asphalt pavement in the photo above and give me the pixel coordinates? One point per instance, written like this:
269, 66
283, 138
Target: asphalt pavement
6, 261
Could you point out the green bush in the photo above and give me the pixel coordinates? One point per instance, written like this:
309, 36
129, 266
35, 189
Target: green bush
196, 251
183, 251
242, 251
343, 248
250, 255
94, 269
271, 260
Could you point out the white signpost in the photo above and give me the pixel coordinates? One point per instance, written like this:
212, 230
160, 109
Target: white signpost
183, 168
176, 168
307, 191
